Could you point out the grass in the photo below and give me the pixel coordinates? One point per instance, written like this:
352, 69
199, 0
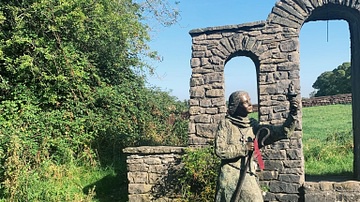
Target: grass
327, 140
71, 182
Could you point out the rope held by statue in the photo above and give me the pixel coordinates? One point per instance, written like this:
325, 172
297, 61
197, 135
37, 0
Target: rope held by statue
236, 196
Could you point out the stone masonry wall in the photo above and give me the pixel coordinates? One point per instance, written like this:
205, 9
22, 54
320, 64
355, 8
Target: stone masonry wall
327, 100
274, 50
332, 191
150, 170
273, 46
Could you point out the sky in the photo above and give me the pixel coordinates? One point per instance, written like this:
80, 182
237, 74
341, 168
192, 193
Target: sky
324, 45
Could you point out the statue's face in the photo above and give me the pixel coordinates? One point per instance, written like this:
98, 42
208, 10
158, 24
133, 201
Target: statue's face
245, 107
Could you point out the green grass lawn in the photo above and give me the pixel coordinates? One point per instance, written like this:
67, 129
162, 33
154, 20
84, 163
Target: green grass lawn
327, 140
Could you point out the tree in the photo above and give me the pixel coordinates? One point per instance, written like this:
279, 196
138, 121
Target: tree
337, 81
71, 88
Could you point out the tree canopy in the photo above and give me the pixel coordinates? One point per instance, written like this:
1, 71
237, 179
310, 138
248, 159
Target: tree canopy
71, 87
337, 81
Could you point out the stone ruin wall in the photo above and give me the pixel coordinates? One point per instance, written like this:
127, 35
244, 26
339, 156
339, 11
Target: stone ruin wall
149, 169
321, 101
327, 100
273, 46
274, 50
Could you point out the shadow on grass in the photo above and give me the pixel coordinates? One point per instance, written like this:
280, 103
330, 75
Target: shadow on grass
332, 177
112, 188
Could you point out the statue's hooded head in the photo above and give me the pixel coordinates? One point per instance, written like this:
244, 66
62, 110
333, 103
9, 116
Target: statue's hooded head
234, 101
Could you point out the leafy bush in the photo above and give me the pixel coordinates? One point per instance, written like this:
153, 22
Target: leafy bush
199, 175
72, 92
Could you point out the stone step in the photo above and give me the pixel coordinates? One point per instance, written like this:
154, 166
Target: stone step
330, 191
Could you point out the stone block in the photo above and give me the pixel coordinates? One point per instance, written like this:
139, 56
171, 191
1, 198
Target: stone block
199, 37
194, 102
274, 154
226, 46
155, 178
139, 188
279, 108
160, 169
137, 177
268, 175
291, 10
349, 196
193, 110
236, 40
217, 52
191, 128
321, 196
206, 130
214, 93
222, 109
326, 186
265, 110
216, 60
275, 165
214, 36
197, 92
211, 110
137, 167
213, 77
198, 54
152, 161
347, 186
293, 164
268, 68
132, 160
195, 62
291, 178
205, 61
280, 145
202, 118
283, 187
196, 140
293, 154
196, 82
139, 198
311, 187
287, 197
205, 103
288, 66
218, 102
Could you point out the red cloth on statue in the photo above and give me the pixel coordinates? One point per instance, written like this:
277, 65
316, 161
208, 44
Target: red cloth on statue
258, 155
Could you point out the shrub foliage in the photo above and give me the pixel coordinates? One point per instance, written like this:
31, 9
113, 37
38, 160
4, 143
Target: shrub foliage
72, 92
198, 176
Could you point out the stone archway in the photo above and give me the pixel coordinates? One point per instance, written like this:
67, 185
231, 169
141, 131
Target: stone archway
275, 44
330, 10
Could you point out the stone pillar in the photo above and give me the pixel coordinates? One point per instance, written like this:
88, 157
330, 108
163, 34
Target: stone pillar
150, 171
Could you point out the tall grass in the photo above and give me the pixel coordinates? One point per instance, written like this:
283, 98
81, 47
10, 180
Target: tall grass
328, 140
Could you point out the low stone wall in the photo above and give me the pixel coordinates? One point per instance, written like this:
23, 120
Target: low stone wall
150, 172
321, 101
151, 175
327, 100
332, 191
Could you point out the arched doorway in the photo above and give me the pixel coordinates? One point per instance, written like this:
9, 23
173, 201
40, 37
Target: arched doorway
352, 16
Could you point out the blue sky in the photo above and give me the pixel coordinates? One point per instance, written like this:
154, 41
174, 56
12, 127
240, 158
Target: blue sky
323, 46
